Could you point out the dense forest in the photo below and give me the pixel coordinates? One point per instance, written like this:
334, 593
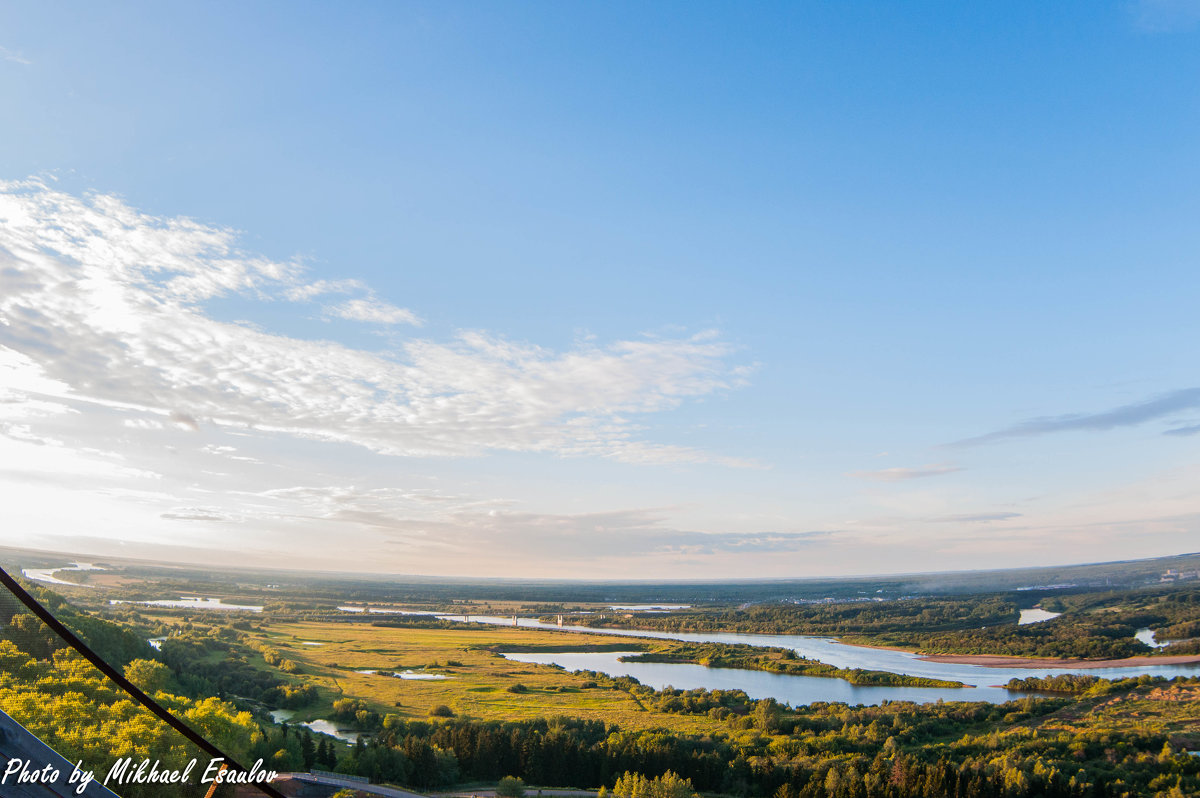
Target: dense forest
79, 712
1073, 638
1173, 613
1098, 625
832, 618
1093, 625
1069, 683
822, 751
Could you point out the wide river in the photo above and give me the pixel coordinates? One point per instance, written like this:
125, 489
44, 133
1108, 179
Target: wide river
797, 690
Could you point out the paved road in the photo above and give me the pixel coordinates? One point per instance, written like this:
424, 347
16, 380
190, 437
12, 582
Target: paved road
336, 781
395, 792
529, 793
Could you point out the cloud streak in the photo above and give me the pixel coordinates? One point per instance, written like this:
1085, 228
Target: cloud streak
905, 474
429, 523
1192, 429
195, 514
1158, 407
373, 311
975, 518
309, 291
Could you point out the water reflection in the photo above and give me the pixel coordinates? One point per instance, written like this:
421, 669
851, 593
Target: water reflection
794, 690
1147, 636
325, 727
1036, 616
192, 603
46, 575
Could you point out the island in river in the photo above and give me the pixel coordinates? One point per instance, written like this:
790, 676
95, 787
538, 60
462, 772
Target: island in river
778, 660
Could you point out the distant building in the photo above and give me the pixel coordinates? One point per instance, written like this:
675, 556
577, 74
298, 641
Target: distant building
1172, 575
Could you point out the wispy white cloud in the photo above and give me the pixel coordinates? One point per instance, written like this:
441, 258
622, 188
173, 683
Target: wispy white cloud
196, 514
229, 452
309, 291
373, 311
903, 474
9, 55
102, 304
26, 456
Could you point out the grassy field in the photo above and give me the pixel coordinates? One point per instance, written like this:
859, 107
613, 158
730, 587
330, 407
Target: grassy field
477, 678
1173, 710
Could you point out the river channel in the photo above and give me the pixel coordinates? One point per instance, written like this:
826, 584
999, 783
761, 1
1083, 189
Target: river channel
797, 690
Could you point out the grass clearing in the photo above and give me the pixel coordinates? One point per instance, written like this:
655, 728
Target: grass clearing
478, 680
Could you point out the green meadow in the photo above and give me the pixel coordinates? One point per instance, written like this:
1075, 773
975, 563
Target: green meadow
479, 682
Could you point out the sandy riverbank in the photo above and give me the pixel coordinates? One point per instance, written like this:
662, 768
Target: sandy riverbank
1001, 661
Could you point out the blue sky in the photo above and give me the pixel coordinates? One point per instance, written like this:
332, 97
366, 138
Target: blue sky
602, 290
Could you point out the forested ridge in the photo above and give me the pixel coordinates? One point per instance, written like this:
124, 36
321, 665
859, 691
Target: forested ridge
834, 618
1093, 625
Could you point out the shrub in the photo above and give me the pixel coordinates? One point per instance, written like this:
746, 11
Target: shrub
347, 708
510, 787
